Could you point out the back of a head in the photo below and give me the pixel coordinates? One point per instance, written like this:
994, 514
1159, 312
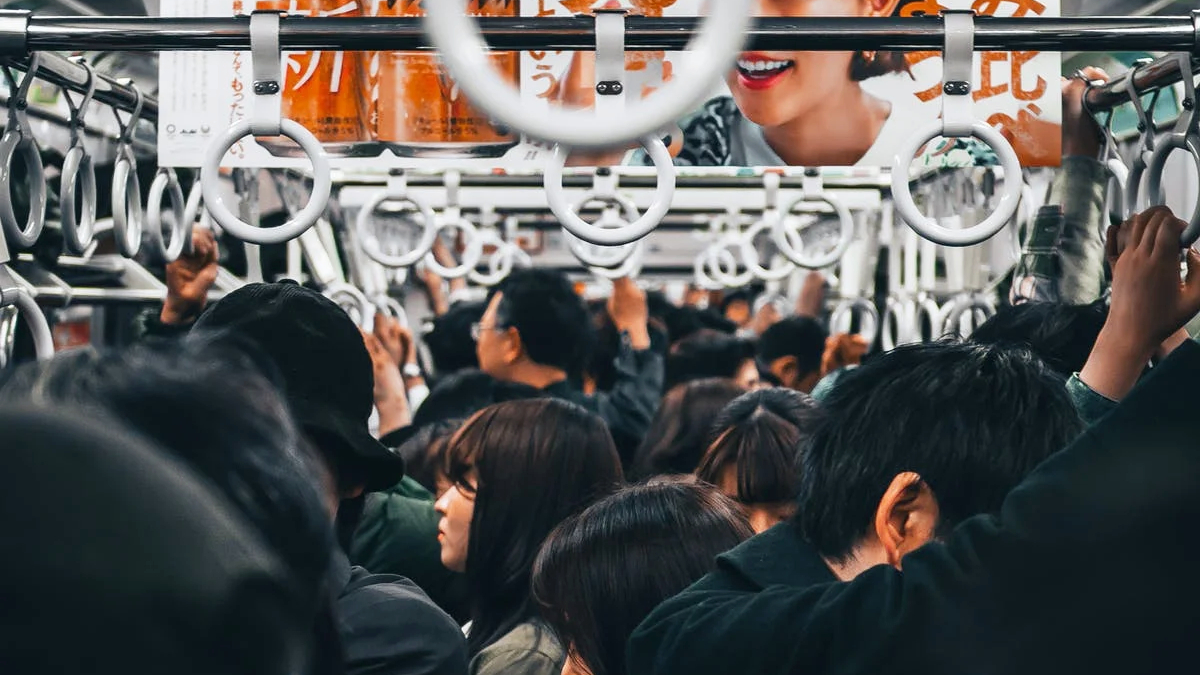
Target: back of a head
212, 407
550, 317
759, 436
971, 420
601, 572
450, 343
1061, 335
537, 461
466, 392
679, 432
801, 337
704, 354
117, 560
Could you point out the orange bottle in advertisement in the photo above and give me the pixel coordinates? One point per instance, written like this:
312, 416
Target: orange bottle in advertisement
421, 112
326, 92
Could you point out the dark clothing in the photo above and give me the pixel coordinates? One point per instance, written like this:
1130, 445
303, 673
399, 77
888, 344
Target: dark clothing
630, 406
1088, 568
778, 557
389, 626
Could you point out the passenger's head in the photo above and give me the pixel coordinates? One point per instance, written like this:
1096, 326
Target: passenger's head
326, 371
792, 349
708, 353
213, 407
535, 326
449, 342
423, 453
518, 469
602, 571
1061, 335
778, 88
679, 432
119, 559
755, 453
920, 438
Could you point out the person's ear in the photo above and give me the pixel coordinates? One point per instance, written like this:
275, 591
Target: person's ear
907, 517
513, 347
786, 369
808, 382
883, 7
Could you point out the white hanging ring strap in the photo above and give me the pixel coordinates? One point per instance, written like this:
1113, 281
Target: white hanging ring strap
814, 191
353, 301
500, 262
78, 173
452, 219
605, 256
13, 294
711, 54
194, 211
1146, 142
664, 193
396, 192
769, 221
1186, 136
841, 318
267, 120
18, 138
967, 306
166, 183
127, 210
957, 121
389, 306
629, 268
711, 264
899, 313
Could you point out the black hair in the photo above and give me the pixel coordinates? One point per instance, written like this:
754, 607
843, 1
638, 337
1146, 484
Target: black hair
704, 354
760, 433
550, 317
450, 344
422, 452
1062, 335
537, 461
679, 432
602, 363
746, 295
216, 406
971, 420
466, 392
650, 542
799, 336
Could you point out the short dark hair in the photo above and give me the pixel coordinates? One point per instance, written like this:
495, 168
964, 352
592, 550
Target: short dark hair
704, 354
450, 344
679, 432
760, 433
550, 317
799, 336
602, 361
651, 542
746, 295
466, 392
1062, 335
971, 420
537, 461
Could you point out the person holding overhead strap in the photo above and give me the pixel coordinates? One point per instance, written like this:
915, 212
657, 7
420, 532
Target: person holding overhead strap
1092, 548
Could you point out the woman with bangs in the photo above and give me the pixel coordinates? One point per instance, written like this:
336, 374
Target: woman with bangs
517, 470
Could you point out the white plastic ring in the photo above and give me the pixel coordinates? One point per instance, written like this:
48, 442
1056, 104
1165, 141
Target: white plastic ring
606, 256
722, 252
210, 179
711, 54
1115, 198
764, 273
43, 340
841, 316
369, 240
78, 228
966, 306
664, 193
927, 307
353, 302
1158, 163
10, 144
830, 257
929, 228
714, 256
471, 255
166, 183
501, 262
898, 313
195, 209
127, 214
630, 267
392, 307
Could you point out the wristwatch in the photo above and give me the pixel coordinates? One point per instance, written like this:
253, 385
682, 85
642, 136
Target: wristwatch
411, 370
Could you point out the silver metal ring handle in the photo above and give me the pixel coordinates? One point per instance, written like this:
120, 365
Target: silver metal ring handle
830, 257
709, 55
79, 172
353, 302
193, 210
664, 193
127, 214
11, 143
898, 313
39, 327
605, 256
396, 192
841, 316
501, 262
471, 255
1186, 136
708, 264
630, 267
166, 183
391, 307
967, 306
778, 271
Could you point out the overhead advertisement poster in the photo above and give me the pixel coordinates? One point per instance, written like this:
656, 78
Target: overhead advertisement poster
374, 111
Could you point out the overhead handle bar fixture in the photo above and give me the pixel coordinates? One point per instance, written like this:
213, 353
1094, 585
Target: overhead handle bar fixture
709, 55
814, 191
18, 138
958, 121
396, 192
79, 172
166, 184
127, 213
452, 219
1186, 136
267, 120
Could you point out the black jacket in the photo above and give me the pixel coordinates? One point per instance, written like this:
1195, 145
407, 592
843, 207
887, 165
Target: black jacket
1088, 568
